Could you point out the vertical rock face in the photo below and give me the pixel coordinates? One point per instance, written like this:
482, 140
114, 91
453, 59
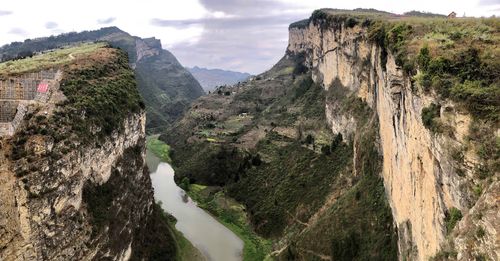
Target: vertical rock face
66, 197
147, 47
48, 216
418, 172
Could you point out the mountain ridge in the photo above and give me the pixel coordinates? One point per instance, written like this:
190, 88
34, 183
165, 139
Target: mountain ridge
211, 78
167, 88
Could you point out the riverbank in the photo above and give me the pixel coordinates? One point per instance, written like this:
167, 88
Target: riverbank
232, 215
194, 229
159, 148
186, 251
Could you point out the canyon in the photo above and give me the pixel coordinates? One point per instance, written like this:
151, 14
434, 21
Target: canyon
370, 93
371, 139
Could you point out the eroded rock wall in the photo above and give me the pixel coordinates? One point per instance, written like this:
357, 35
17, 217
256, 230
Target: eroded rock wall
419, 175
45, 215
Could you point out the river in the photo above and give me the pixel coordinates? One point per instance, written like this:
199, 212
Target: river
214, 240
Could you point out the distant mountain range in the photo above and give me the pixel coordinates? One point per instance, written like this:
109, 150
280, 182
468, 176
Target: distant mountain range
165, 85
211, 78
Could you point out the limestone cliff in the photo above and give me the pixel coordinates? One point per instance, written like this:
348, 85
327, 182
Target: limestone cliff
74, 185
422, 179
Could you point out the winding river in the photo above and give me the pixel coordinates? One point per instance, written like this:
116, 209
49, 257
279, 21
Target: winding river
214, 240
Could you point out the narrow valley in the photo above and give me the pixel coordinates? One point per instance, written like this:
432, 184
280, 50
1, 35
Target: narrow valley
360, 134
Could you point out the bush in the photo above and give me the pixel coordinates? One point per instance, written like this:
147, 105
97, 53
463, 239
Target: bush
351, 22
256, 161
424, 58
424, 80
451, 219
325, 149
309, 139
185, 184
483, 102
428, 117
480, 232
336, 141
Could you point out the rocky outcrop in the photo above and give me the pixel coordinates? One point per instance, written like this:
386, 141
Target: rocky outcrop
146, 48
72, 188
165, 85
46, 216
419, 174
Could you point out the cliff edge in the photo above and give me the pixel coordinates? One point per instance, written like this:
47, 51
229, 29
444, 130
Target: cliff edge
74, 182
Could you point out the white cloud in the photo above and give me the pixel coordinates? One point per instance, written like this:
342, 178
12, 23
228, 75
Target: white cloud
23, 19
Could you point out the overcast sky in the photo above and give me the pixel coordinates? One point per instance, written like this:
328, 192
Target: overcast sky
240, 35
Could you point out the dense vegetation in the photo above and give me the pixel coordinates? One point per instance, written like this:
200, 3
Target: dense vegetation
358, 226
295, 178
159, 148
100, 94
105, 93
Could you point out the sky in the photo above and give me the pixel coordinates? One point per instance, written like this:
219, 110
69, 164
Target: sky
239, 35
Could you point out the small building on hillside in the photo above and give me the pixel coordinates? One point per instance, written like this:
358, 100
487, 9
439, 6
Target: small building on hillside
452, 15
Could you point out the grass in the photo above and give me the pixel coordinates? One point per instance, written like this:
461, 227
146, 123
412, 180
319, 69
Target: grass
232, 215
159, 148
48, 60
451, 219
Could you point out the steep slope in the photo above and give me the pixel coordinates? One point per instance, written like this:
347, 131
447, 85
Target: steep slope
266, 141
416, 102
166, 87
211, 78
428, 161
74, 182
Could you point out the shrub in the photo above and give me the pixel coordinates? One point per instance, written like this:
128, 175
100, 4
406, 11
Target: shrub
325, 149
482, 101
452, 217
424, 58
478, 190
424, 80
185, 184
444, 255
480, 232
256, 161
351, 22
309, 139
428, 117
336, 141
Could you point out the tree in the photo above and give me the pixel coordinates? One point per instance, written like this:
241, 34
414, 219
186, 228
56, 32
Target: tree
336, 142
325, 149
309, 139
184, 184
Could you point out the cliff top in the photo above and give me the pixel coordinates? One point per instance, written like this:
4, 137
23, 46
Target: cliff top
49, 59
452, 57
97, 92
